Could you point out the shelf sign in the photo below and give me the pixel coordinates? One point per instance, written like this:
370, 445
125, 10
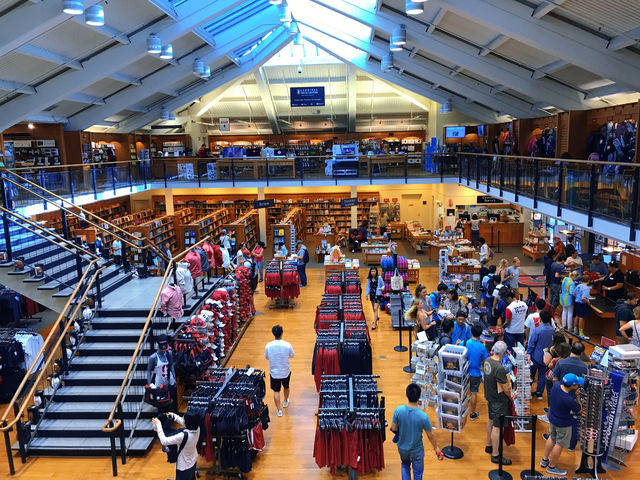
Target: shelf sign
349, 202
266, 203
307, 96
225, 126
487, 199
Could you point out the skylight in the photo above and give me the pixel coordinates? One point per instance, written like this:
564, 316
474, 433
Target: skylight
321, 17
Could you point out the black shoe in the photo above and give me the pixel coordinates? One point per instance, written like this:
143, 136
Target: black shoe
546, 410
505, 460
545, 436
488, 449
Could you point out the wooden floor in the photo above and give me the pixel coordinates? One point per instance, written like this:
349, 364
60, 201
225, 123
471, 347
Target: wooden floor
289, 440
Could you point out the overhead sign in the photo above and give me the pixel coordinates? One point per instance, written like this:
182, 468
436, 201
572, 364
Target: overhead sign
266, 203
225, 126
487, 199
307, 96
349, 202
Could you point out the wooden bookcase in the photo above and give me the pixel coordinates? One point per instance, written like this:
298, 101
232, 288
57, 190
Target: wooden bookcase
206, 226
162, 230
245, 229
365, 202
292, 228
107, 210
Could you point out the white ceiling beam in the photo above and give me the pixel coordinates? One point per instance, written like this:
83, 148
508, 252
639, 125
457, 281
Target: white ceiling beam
493, 44
605, 90
500, 71
11, 86
624, 40
105, 30
437, 18
121, 77
169, 92
110, 61
267, 100
46, 118
273, 44
22, 25
352, 76
553, 36
49, 56
136, 108
90, 99
548, 69
455, 70
218, 97
497, 89
545, 7
230, 40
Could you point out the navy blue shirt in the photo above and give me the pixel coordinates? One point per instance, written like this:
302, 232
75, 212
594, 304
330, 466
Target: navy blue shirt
556, 268
561, 406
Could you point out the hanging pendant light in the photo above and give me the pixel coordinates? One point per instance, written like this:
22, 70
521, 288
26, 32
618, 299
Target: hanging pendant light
275, 2
72, 7
446, 107
298, 39
399, 35
387, 62
285, 13
94, 16
198, 67
413, 8
167, 52
164, 113
293, 28
154, 44
393, 47
206, 73
172, 116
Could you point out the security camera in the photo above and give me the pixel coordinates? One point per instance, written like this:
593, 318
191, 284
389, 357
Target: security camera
300, 70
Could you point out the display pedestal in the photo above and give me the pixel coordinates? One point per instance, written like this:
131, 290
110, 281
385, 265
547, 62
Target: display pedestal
452, 452
589, 469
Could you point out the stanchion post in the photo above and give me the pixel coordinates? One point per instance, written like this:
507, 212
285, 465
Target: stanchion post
400, 347
500, 474
408, 368
532, 471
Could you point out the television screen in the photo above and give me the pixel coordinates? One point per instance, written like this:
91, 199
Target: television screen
454, 132
607, 258
481, 130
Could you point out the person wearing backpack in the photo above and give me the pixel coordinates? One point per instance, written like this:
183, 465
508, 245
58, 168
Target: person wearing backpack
303, 259
186, 440
461, 330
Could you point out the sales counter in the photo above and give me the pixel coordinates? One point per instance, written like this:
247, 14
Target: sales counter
601, 321
341, 265
511, 233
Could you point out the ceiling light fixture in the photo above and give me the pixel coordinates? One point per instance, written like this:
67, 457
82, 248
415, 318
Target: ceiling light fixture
399, 35
393, 47
31, 126
164, 113
298, 39
206, 73
167, 52
446, 107
94, 16
72, 7
172, 116
275, 2
285, 13
154, 45
387, 62
198, 67
413, 8
293, 29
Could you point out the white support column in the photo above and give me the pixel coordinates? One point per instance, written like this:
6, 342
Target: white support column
262, 217
168, 200
354, 210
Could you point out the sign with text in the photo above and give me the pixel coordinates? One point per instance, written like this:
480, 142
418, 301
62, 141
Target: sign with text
487, 199
349, 202
225, 125
307, 96
266, 203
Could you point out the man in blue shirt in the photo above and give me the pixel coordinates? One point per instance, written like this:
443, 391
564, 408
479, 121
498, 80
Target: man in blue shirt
476, 354
581, 305
555, 280
461, 331
540, 340
408, 423
435, 298
302, 263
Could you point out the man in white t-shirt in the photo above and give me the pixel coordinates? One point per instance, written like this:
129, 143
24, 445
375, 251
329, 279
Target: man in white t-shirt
278, 352
484, 249
533, 320
515, 316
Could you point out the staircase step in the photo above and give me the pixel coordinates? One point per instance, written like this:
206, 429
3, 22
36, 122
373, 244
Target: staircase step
98, 410
117, 323
90, 393
113, 335
81, 446
90, 428
91, 363
102, 377
109, 348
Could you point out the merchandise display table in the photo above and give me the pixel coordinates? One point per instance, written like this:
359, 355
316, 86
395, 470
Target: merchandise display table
413, 271
528, 251
373, 251
416, 236
436, 246
342, 265
257, 164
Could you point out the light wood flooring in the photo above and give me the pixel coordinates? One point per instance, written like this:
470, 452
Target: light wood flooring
289, 439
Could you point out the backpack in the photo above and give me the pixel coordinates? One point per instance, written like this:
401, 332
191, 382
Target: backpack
305, 255
173, 451
491, 284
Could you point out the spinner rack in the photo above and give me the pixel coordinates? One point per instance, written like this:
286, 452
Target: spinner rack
522, 402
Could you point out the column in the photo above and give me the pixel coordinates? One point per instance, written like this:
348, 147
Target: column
354, 210
262, 217
168, 200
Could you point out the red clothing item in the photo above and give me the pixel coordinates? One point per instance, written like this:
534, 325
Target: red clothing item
259, 251
195, 265
208, 249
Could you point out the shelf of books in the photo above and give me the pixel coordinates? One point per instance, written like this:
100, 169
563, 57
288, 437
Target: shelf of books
202, 227
206, 205
160, 231
292, 228
244, 230
368, 209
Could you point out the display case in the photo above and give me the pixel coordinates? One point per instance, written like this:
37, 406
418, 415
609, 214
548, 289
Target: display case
536, 246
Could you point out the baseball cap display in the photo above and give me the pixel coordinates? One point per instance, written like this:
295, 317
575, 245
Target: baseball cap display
571, 379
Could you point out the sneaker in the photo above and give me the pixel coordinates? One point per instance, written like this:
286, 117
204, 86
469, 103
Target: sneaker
279, 413
538, 396
556, 471
505, 460
545, 436
474, 416
488, 449
285, 404
544, 418
544, 463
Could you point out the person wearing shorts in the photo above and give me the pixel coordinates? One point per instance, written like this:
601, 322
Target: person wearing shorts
278, 352
562, 406
476, 354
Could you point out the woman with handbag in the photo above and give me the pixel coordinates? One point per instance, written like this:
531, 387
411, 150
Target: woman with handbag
374, 290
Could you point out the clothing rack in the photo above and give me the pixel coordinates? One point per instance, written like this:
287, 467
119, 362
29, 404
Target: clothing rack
282, 283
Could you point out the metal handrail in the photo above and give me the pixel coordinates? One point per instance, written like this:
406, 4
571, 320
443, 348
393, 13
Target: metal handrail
152, 311
72, 248
549, 159
93, 215
7, 425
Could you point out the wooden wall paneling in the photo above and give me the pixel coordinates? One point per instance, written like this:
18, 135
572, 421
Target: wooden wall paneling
562, 137
119, 140
578, 134
42, 131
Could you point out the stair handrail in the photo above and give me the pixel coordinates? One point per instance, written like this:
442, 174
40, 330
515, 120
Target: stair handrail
5, 424
109, 426
68, 245
123, 233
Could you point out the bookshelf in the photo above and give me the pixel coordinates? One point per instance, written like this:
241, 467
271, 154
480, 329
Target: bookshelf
368, 209
292, 228
244, 230
202, 227
202, 207
161, 230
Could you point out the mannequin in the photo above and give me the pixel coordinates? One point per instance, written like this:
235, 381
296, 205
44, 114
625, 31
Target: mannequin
184, 278
160, 369
171, 301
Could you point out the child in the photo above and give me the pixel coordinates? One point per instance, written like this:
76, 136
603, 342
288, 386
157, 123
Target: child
461, 331
581, 294
476, 354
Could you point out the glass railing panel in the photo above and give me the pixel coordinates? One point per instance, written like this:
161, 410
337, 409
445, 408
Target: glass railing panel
576, 187
614, 193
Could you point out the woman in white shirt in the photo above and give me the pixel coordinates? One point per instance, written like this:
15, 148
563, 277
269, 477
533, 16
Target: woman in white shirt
188, 455
484, 249
634, 326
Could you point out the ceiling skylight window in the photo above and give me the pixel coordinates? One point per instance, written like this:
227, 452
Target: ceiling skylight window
323, 18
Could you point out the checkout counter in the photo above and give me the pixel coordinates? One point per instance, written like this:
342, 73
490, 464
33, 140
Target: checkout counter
511, 233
